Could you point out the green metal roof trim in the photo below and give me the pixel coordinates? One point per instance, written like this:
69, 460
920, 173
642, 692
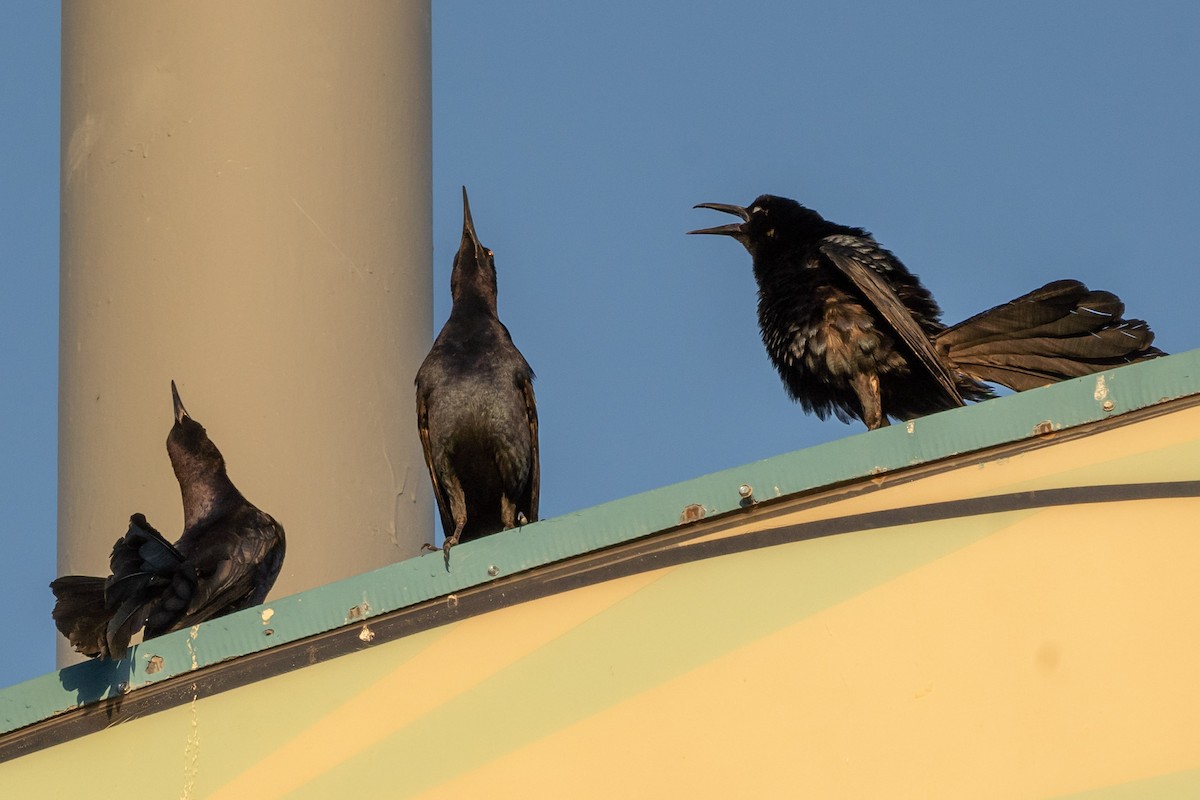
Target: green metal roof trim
416, 580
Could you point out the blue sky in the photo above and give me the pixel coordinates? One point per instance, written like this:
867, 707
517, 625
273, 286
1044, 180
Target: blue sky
992, 146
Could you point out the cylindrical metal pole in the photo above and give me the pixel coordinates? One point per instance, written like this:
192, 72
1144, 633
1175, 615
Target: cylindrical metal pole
246, 209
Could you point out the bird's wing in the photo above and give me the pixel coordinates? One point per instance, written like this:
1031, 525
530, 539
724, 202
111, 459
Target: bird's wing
438, 493
227, 564
145, 568
142, 550
856, 258
535, 472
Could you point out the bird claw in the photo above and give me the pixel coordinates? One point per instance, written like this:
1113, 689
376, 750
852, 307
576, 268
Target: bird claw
450, 542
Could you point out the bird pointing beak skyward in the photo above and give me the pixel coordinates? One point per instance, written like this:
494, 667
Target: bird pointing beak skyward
468, 232
476, 414
473, 262
180, 411
733, 228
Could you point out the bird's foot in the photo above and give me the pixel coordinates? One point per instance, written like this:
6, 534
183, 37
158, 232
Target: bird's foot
450, 542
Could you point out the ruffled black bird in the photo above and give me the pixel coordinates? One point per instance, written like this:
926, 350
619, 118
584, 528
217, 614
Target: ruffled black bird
852, 332
476, 412
227, 559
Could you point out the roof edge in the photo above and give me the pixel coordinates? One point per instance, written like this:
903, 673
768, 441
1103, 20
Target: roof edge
1028, 415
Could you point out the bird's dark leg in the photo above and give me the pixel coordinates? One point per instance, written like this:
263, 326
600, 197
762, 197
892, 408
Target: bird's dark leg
459, 522
453, 540
508, 512
458, 512
866, 386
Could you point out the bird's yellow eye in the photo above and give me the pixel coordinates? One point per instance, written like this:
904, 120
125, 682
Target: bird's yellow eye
490, 253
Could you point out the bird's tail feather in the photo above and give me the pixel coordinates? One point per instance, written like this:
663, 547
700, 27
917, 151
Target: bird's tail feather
79, 613
150, 585
1062, 330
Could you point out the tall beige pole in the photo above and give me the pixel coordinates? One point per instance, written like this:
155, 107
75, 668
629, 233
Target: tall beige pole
246, 210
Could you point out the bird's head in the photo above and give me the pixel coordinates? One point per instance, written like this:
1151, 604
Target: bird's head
474, 270
768, 224
193, 455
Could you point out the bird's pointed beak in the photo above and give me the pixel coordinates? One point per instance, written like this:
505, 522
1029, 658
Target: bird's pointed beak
732, 229
180, 411
468, 233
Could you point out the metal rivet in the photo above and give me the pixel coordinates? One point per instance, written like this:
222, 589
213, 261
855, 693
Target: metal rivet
1109, 405
269, 632
493, 570
746, 491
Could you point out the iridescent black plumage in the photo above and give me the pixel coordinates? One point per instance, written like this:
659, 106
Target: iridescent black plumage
476, 412
227, 559
852, 332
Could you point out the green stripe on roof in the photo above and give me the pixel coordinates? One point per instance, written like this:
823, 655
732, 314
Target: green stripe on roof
995, 422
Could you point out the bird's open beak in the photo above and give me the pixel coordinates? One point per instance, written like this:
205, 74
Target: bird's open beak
180, 411
733, 228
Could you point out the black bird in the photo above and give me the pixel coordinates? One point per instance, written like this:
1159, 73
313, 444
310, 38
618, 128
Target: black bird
853, 332
475, 408
227, 559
